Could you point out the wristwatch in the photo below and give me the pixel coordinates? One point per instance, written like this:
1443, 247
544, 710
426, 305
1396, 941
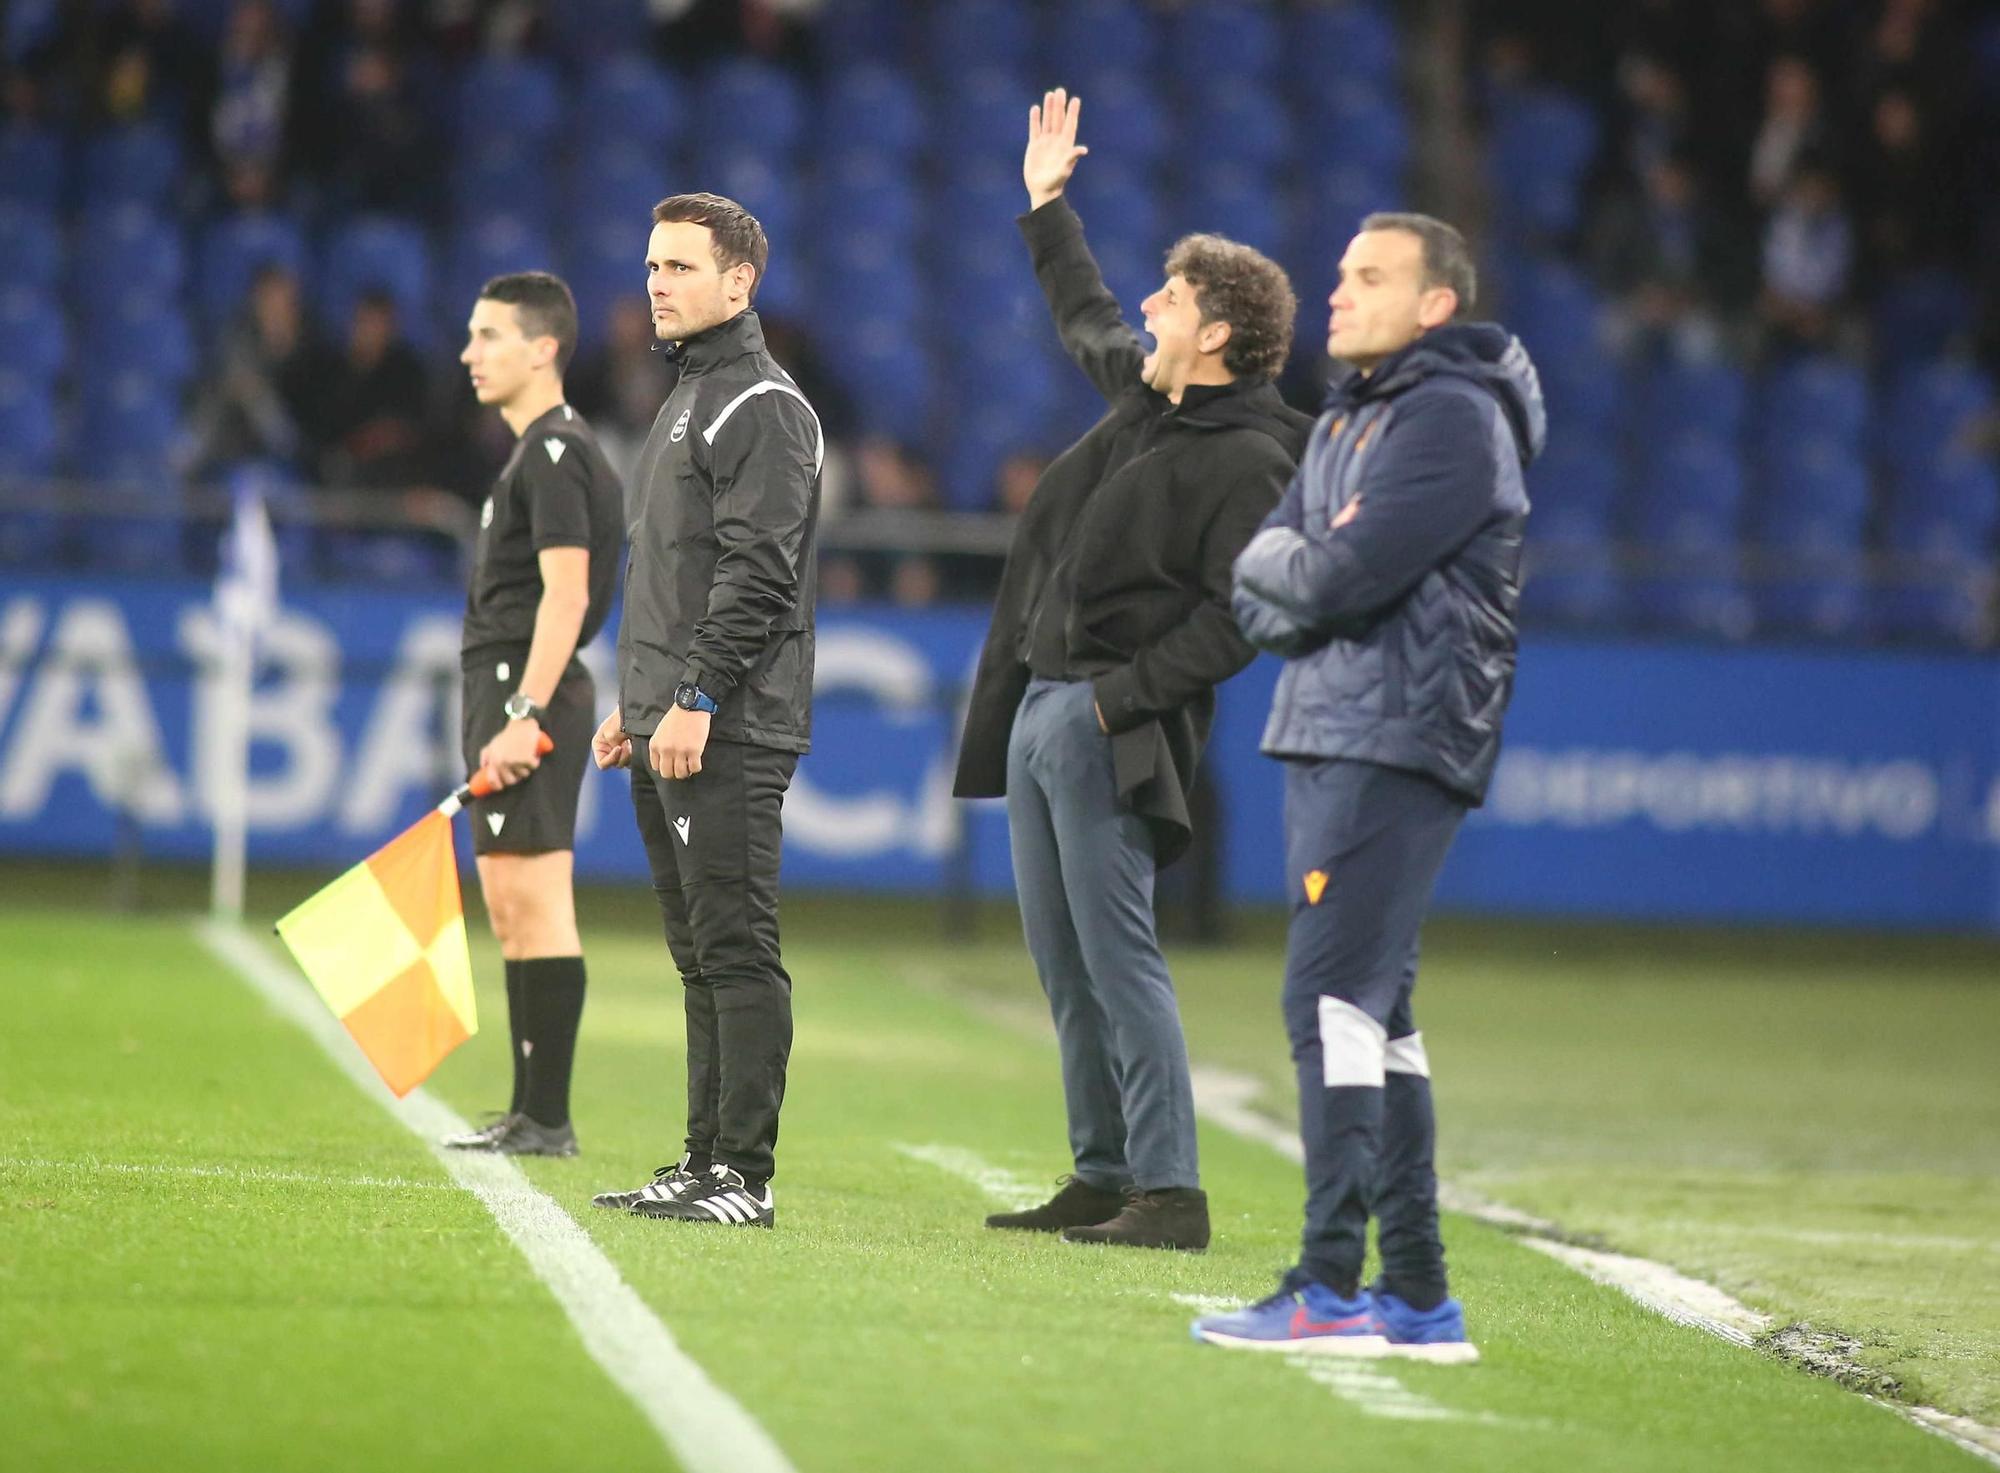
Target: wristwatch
693, 698
520, 708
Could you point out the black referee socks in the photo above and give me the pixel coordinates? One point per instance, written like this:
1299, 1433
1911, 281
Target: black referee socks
550, 1008
516, 1017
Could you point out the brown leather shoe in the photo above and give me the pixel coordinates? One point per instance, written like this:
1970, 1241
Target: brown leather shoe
1078, 1204
1172, 1217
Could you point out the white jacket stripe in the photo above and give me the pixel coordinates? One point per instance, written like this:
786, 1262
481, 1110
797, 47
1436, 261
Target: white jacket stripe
769, 386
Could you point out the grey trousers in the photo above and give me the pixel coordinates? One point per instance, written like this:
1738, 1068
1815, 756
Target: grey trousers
1083, 874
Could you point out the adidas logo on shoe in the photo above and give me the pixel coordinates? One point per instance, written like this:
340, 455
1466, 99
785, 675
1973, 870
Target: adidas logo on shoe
721, 1196
668, 1183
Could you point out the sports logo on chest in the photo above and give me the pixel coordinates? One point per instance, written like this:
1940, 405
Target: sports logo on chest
680, 428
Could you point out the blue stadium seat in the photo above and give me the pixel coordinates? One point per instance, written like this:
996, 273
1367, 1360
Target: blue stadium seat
1819, 396
769, 189
970, 34
1816, 499
29, 24
1819, 596
982, 118
377, 251
1332, 202
984, 435
1248, 205
630, 102
500, 174
873, 109
1676, 396
1084, 34
1542, 145
31, 166
604, 260
601, 32
127, 327
34, 340
1224, 43
1935, 601
855, 32
388, 559
1354, 40
236, 249
618, 180
1119, 208
1584, 386
1922, 315
30, 426
1571, 583
901, 379
1948, 507
130, 421
1123, 120
1256, 126
1356, 124
1694, 591
1933, 411
752, 107
1551, 306
126, 249
136, 164
1691, 496
520, 97
1574, 489
31, 248
869, 192
491, 247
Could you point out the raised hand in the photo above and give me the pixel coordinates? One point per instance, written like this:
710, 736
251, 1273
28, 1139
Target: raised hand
1052, 146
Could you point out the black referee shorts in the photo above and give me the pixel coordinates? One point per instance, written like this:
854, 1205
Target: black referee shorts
538, 815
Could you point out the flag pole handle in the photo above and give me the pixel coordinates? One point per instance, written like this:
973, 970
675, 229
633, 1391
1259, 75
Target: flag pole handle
480, 784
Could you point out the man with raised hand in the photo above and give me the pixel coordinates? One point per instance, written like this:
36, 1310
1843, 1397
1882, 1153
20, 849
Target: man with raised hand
1096, 687
1388, 578
715, 670
543, 580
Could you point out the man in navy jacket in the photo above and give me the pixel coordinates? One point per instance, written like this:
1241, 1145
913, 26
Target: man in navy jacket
1388, 579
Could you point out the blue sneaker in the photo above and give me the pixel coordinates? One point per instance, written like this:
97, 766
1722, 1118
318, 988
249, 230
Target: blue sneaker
1436, 1335
1303, 1316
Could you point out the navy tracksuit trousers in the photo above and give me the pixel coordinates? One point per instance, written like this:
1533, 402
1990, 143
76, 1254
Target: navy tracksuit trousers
1363, 845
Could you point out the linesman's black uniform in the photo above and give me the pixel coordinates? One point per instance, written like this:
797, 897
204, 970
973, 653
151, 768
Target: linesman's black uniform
719, 601
556, 490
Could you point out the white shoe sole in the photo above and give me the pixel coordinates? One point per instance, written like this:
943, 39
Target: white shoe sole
1447, 1353
1354, 1347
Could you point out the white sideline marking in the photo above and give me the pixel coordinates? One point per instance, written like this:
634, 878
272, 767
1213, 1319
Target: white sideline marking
700, 1423
1003, 1187
220, 1173
1225, 1098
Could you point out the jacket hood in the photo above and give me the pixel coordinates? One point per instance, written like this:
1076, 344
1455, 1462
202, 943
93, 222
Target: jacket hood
1483, 352
1255, 407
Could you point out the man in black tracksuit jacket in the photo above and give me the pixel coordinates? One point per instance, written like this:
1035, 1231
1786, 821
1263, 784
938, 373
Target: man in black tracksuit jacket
1095, 690
715, 664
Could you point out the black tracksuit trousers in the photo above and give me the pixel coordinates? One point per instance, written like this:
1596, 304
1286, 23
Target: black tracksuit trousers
713, 843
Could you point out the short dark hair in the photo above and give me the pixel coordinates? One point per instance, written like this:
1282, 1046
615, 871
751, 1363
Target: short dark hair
1245, 288
738, 236
1447, 258
544, 306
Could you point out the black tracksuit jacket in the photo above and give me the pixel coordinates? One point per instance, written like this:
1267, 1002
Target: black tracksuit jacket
720, 584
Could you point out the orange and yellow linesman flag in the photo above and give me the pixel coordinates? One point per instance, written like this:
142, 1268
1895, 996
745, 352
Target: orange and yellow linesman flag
384, 945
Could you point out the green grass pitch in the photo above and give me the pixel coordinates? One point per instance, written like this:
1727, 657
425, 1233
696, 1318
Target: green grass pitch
214, 1254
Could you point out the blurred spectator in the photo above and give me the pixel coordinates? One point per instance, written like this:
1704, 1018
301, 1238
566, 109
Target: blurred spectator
704, 30
148, 66
1794, 125
1658, 126
1808, 260
1016, 480
382, 158
266, 401
619, 382
253, 90
376, 394
1663, 254
1907, 204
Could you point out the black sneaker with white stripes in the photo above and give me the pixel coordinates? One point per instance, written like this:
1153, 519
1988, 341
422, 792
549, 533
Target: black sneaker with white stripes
668, 1183
722, 1196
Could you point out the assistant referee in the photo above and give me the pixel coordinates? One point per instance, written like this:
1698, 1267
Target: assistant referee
542, 584
715, 668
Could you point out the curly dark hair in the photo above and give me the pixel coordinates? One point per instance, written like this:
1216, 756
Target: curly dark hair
1246, 289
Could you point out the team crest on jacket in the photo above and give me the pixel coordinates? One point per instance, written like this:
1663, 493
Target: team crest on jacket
680, 426
1315, 885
